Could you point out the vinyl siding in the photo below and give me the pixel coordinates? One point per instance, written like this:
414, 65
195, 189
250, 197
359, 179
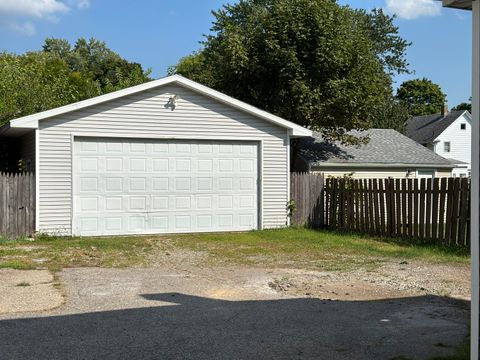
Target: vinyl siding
144, 115
460, 141
373, 173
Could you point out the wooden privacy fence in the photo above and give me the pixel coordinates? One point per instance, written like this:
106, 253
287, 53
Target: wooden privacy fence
17, 204
307, 192
429, 210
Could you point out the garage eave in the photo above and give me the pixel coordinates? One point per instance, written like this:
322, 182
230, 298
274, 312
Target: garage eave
458, 4
31, 121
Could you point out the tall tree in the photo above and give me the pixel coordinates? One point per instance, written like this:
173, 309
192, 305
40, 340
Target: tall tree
421, 96
61, 74
392, 115
313, 62
36, 82
96, 61
463, 106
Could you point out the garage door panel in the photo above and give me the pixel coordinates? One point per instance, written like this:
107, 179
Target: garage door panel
140, 187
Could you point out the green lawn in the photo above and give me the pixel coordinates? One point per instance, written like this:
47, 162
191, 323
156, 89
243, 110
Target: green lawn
293, 247
317, 249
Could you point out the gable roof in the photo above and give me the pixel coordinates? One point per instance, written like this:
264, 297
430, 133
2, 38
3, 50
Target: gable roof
386, 148
425, 129
31, 121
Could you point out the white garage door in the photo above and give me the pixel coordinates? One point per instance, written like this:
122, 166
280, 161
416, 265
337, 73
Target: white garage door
149, 186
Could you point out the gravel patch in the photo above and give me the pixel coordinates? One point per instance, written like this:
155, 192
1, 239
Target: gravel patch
27, 291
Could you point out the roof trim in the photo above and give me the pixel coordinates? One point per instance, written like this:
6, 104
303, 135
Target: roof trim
380, 165
458, 4
31, 121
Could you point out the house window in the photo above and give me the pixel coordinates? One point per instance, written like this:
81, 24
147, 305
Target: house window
463, 126
425, 174
446, 146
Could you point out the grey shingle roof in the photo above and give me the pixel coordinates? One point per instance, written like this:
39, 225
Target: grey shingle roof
386, 147
425, 129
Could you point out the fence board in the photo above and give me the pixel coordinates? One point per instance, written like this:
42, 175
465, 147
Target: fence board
435, 187
434, 210
428, 209
381, 190
441, 213
307, 192
410, 207
463, 212
421, 218
455, 208
17, 205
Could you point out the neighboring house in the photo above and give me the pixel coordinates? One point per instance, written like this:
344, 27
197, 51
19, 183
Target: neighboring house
448, 134
166, 156
387, 154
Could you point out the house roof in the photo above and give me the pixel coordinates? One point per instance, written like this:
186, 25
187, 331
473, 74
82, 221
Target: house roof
386, 148
425, 129
31, 121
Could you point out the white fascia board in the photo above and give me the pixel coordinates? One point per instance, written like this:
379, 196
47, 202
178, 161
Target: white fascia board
31, 121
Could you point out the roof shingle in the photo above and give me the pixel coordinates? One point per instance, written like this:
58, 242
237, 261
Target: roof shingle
425, 129
386, 147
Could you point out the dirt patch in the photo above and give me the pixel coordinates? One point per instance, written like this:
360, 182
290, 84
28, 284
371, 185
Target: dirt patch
28, 290
391, 280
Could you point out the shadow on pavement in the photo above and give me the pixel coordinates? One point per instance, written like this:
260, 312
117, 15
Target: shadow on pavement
184, 326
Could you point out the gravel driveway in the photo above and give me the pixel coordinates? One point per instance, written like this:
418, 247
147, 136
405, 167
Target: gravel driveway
232, 313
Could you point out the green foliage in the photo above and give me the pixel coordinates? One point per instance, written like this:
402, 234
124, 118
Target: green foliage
22, 166
61, 74
316, 63
393, 114
291, 207
36, 82
463, 106
97, 62
421, 97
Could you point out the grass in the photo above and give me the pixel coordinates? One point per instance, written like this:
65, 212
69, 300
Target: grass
461, 353
293, 247
317, 249
23, 284
55, 253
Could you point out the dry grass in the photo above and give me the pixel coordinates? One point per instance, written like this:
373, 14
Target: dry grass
291, 247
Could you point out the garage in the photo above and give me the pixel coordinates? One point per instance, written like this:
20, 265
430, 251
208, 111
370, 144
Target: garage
167, 156
126, 186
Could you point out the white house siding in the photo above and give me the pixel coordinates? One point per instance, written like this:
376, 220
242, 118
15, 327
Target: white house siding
377, 173
144, 115
27, 150
460, 141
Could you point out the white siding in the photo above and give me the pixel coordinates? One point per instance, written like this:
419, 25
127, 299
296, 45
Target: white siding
460, 141
144, 115
372, 173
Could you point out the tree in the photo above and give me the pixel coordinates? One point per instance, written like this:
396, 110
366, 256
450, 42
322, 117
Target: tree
392, 115
421, 97
463, 106
313, 62
36, 82
61, 74
96, 61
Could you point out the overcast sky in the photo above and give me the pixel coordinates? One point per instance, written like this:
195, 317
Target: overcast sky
156, 33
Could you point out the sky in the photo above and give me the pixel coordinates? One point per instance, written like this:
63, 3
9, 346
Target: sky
156, 33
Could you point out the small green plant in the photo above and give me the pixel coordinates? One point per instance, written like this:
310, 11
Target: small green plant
23, 284
22, 166
291, 208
